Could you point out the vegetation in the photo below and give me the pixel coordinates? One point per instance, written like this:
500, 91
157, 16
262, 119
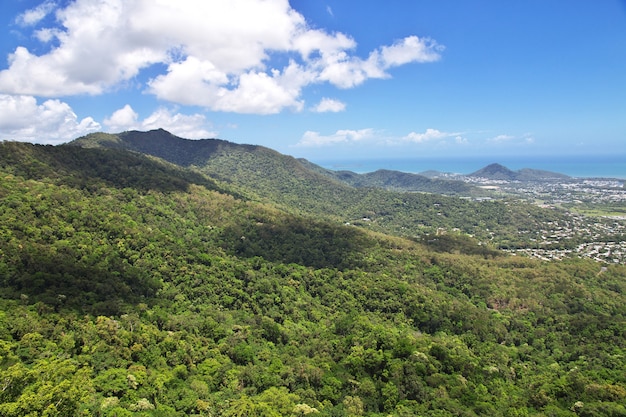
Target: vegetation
499, 172
596, 209
133, 287
301, 188
398, 181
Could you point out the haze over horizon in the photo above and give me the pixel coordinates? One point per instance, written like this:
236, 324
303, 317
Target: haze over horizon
313, 79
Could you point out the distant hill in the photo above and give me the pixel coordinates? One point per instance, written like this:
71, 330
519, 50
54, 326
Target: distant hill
377, 201
228, 161
500, 172
403, 181
397, 181
495, 172
270, 174
432, 173
162, 144
264, 171
528, 174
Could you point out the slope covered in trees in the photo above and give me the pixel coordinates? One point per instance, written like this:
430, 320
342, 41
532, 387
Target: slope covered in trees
133, 287
398, 181
302, 188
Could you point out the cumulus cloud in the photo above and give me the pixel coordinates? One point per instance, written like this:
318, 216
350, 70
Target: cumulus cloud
216, 54
329, 105
255, 92
186, 126
429, 135
410, 49
33, 16
315, 139
434, 137
122, 119
346, 71
52, 122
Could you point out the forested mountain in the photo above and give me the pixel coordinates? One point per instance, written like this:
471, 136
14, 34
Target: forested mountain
261, 172
500, 172
132, 286
235, 162
300, 187
398, 181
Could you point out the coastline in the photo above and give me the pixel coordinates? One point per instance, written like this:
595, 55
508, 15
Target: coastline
613, 166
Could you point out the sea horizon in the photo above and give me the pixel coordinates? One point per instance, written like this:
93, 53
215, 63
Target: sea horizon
578, 166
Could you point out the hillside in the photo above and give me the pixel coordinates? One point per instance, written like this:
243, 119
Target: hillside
234, 162
302, 188
264, 173
398, 181
130, 286
500, 172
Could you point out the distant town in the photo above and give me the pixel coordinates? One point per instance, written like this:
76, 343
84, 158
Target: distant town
596, 212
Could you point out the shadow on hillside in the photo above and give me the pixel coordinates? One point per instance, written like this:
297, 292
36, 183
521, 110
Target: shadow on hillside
87, 168
63, 279
296, 240
171, 148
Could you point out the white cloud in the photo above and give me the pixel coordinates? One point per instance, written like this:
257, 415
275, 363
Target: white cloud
255, 92
429, 135
32, 75
122, 119
35, 15
329, 105
216, 54
501, 138
46, 35
314, 139
52, 122
527, 139
410, 49
346, 71
311, 40
186, 126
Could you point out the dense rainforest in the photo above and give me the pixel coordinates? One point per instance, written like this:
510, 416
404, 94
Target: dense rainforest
302, 188
133, 286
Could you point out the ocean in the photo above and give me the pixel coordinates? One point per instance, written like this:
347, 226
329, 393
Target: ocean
613, 166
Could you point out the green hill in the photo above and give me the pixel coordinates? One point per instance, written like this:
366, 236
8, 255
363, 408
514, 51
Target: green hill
302, 188
500, 172
131, 286
261, 172
398, 181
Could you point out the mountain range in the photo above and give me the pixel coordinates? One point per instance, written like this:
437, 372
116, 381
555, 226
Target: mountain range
213, 156
301, 187
145, 275
499, 172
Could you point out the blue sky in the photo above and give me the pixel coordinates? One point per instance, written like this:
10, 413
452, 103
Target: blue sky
322, 79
